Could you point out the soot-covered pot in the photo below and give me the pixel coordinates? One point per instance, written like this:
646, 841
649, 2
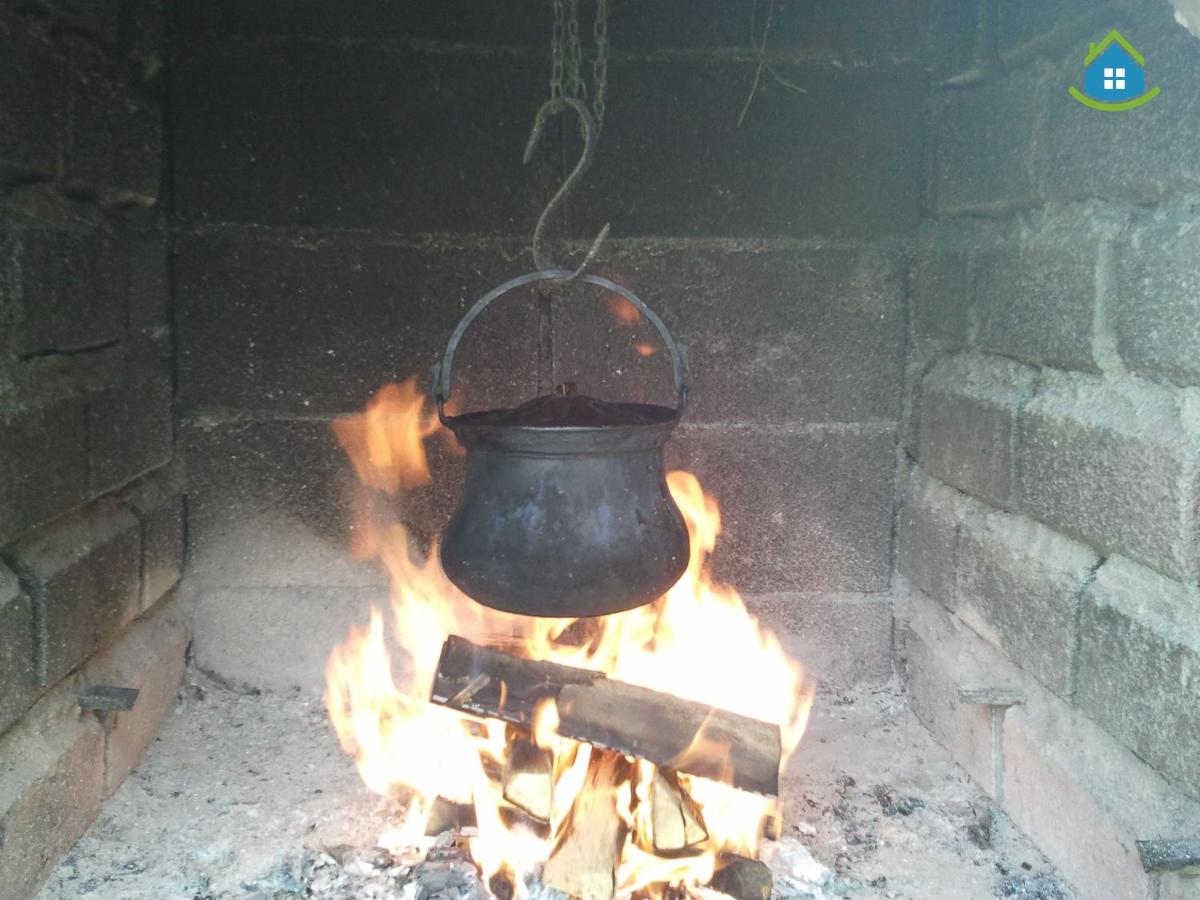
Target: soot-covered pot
565, 511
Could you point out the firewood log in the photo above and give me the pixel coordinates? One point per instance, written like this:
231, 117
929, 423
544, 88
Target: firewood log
676, 734
529, 778
675, 820
584, 861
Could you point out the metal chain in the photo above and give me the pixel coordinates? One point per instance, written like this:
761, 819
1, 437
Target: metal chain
600, 63
566, 56
568, 90
556, 51
575, 84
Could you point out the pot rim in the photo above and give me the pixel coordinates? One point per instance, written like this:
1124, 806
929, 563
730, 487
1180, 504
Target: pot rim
564, 440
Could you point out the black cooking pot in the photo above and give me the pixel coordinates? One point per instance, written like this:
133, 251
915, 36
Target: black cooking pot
565, 511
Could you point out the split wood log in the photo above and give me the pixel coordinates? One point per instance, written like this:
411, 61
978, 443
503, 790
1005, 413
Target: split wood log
529, 777
675, 820
583, 864
675, 734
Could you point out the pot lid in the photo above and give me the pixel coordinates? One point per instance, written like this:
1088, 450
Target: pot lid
572, 411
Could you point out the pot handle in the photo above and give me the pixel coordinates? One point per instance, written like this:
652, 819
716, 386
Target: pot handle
679, 365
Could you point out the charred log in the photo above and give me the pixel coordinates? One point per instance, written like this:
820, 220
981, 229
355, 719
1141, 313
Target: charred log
675, 734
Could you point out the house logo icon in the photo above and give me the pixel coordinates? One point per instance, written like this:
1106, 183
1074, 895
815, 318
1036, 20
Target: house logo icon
1114, 76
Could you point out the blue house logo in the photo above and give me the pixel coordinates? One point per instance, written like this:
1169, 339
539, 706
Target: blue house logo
1114, 76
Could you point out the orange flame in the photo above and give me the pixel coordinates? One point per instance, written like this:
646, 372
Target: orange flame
698, 642
386, 442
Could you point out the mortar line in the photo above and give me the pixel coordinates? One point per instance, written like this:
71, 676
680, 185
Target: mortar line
312, 237
1075, 636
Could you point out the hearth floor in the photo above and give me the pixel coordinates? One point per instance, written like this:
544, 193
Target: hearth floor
238, 788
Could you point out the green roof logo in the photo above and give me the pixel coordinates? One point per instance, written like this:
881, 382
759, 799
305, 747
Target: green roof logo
1114, 76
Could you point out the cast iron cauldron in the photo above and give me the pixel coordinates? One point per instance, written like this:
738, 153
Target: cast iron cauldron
565, 511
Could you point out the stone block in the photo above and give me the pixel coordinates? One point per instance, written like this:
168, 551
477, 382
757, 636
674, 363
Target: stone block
98, 19
952, 36
1085, 800
927, 538
244, 115
968, 424
773, 336
145, 34
32, 83
231, 627
923, 354
942, 656
142, 236
18, 684
1019, 586
858, 30
806, 511
277, 504
51, 788
1035, 296
129, 425
71, 289
1157, 314
1001, 115
1149, 155
151, 656
841, 640
158, 505
43, 465
1111, 463
1139, 666
263, 322
114, 142
940, 289
1022, 22
520, 23
859, 177
82, 573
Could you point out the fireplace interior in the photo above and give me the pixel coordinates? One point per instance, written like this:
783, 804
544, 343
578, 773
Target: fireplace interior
942, 330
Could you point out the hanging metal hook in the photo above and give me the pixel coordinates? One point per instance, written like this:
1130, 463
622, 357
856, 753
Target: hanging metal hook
591, 134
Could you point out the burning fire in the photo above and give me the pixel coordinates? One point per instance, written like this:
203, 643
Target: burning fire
698, 643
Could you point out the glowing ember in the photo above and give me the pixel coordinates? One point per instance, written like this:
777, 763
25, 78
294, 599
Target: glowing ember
643, 349
698, 643
623, 311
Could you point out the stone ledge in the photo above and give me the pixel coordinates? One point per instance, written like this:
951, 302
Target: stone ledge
1075, 791
18, 685
51, 788
942, 658
83, 574
150, 656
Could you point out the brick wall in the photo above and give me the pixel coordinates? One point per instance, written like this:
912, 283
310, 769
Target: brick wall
1051, 513
91, 509
348, 183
